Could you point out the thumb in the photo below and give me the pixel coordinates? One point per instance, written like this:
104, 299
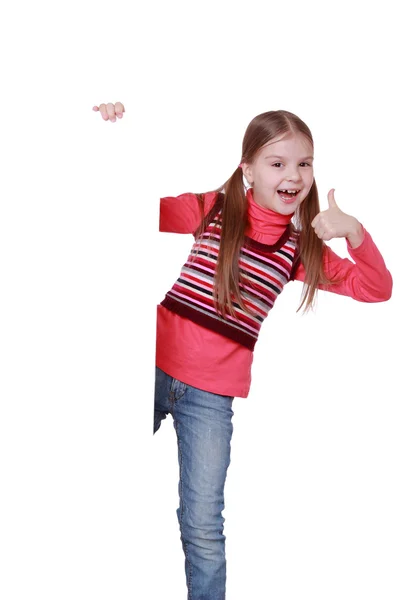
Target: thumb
331, 198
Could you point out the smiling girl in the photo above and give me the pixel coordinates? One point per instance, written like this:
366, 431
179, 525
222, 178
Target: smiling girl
261, 229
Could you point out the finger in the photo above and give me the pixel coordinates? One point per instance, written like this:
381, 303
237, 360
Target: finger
331, 198
96, 108
319, 227
103, 111
318, 231
111, 112
322, 234
119, 109
316, 220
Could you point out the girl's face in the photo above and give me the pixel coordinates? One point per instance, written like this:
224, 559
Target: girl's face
285, 163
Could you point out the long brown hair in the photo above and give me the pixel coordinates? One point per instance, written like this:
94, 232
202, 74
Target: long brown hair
233, 202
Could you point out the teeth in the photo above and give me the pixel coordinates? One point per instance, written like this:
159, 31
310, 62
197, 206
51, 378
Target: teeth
289, 191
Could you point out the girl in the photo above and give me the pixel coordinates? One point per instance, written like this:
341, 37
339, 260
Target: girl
249, 242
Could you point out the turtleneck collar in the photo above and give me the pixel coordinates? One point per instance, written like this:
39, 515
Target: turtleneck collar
264, 220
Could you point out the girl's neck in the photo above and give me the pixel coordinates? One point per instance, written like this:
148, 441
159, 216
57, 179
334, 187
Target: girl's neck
264, 219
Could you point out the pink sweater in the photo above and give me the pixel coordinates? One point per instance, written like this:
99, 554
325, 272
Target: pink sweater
208, 360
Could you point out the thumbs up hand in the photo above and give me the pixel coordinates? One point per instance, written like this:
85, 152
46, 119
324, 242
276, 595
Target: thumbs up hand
334, 223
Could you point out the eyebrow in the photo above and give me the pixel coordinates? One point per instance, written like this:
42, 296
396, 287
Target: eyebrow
276, 156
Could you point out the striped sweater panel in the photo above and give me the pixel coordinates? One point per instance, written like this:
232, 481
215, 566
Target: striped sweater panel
264, 270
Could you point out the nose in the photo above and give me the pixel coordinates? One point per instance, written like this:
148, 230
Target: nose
295, 176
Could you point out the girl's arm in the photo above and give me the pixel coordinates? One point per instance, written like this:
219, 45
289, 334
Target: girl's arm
182, 214
368, 280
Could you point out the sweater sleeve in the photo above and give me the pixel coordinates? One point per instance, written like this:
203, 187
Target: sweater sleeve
365, 280
182, 214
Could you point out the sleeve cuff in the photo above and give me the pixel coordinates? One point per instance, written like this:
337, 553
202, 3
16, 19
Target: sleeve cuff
363, 244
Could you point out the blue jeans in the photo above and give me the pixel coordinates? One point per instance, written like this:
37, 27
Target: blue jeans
203, 426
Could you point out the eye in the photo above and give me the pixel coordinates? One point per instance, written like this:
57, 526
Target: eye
303, 163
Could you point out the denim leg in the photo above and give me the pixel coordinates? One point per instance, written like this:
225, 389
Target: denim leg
203, 424
162, 398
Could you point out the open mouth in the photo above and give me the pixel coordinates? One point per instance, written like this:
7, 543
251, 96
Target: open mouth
289, 195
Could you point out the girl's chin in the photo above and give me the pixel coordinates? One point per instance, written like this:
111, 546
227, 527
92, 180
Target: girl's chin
286, 208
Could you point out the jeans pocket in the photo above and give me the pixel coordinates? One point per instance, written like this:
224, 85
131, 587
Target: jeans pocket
178, 388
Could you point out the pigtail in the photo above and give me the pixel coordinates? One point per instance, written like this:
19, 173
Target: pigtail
232, 202
234, 223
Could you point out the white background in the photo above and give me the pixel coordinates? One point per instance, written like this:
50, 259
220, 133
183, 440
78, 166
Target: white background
88, 495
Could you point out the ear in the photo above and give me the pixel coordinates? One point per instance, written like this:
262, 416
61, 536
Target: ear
248, 172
